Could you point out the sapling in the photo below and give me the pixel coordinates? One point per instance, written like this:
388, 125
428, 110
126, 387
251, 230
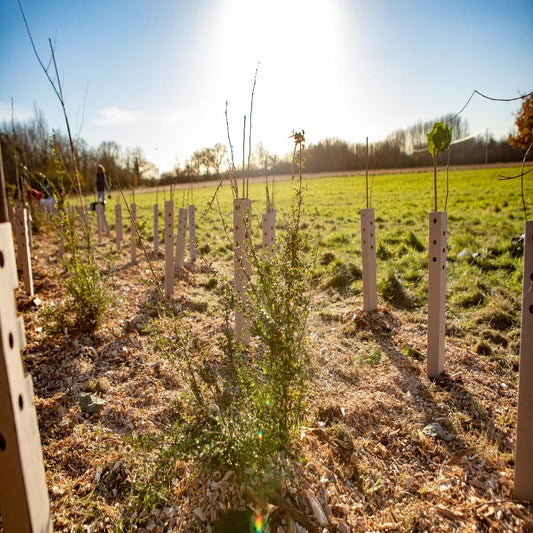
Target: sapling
438, 139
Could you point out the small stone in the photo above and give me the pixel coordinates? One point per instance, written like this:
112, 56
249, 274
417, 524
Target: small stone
89, 403
435, 430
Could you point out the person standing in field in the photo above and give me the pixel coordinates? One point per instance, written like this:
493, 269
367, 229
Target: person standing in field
101, 188
101, 184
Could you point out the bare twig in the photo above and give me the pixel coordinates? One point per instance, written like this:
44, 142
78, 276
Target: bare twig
521, 176
521, 97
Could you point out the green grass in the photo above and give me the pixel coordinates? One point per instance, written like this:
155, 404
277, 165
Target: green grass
484, 215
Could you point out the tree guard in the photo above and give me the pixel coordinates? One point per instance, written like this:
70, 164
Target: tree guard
192, 233
523, 480
242, 215
23, 248
180, 238
133, 231
368, 252
23, 493
436, 293
156, 229
118, 226
169, 248
99, 221
268, 227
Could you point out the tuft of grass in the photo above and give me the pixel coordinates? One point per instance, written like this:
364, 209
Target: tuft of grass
393, 290
343, 275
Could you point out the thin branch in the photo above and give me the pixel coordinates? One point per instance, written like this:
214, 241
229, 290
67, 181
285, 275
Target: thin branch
37, 54
521, 97
250, 126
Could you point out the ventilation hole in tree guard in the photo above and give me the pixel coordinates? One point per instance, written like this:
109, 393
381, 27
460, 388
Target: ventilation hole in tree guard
531, 309
21, 402
434, 259
531, 276
371, 247
1, 259
11, 341
2, 443
434, 221
434, 241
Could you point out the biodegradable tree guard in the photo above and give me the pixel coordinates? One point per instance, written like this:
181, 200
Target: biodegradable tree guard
133, 232
268, 227
99, 221
156, 229
192, 233
23, 493
436, 293
242, 214
23, 249
118, 226
180, 238
169, 248
368, 252
523, 479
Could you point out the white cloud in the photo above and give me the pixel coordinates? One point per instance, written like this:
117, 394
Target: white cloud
20, 113
113, 116
178, 116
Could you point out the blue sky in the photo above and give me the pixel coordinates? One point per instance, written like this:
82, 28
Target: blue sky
157, 74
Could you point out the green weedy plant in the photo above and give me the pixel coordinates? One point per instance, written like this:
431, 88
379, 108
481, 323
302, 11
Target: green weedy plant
241, 409
87, 296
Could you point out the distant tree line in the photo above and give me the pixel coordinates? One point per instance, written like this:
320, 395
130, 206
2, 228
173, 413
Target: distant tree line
27, 150
30, 150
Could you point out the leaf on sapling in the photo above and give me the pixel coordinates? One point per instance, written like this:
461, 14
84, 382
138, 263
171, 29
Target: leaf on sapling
439, 138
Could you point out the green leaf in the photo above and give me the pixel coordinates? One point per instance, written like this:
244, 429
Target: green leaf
439, 138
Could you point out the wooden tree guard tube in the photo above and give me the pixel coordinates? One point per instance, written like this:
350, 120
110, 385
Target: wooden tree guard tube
156, 229
268, 227
99, 221
242, 215
23, 493
23, 248
368, 252
118, 226
180, 238
133, 231
169, 248
436, 293
523, 478
192, 233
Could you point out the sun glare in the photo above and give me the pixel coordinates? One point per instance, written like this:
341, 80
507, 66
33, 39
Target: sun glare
299, 47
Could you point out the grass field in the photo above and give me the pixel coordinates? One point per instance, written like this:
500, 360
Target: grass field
485, 218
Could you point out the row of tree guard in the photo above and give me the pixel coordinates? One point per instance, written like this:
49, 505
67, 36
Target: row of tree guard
26, 507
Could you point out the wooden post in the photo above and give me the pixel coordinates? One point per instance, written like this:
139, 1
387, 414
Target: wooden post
156, 229
436, 293
523, 478
180, 238
192, 233
133, 231
242, 215
368, 252
268, 227
23, 249
169, 248
118, 226
99, 221
23, 493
